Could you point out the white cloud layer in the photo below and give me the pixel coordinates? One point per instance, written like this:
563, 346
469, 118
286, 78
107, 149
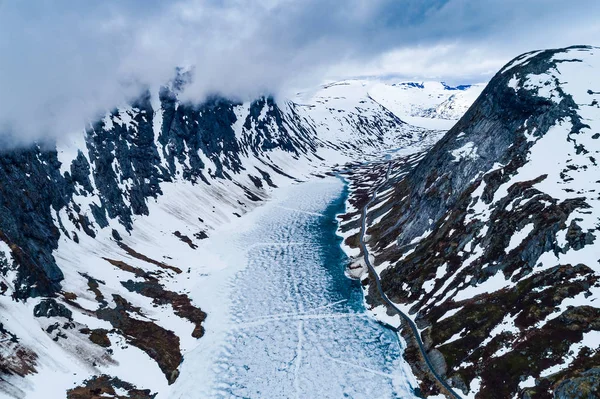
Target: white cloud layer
64, 62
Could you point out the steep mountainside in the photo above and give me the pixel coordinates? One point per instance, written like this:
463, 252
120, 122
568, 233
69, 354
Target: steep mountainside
488, 241
101, 237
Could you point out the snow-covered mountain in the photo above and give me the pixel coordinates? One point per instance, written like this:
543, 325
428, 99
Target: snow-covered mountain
488, 241
106, 268
428, 104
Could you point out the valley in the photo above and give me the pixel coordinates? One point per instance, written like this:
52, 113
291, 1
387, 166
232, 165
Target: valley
364, 238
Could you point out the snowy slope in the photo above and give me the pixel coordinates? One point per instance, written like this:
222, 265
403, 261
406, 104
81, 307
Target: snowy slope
489, 240
110, 278
428, 104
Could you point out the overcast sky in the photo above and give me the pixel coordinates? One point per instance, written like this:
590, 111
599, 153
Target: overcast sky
64, 62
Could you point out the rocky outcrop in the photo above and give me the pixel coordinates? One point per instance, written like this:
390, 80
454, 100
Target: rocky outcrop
50, 308
105, 386
585, 386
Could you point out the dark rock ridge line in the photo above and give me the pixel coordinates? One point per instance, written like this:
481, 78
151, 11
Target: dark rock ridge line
446, 230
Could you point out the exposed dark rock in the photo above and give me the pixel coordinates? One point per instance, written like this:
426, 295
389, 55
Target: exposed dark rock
201, 235
185, 239
577, 238
103, 386
116, 235
587, 385
50, 308
130, 251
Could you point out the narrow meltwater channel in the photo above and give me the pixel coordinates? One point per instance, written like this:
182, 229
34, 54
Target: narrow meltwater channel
299, 328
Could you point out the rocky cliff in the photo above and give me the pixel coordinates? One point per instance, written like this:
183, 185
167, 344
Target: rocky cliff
489, 242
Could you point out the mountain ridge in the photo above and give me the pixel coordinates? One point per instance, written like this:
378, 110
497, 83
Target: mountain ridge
462, 237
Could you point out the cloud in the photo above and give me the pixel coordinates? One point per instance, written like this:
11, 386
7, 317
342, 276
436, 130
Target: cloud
65, 62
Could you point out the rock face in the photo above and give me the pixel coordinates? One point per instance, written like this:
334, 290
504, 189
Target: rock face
585, 386
490, 241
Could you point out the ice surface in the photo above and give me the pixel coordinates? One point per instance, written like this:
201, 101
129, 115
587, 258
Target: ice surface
298, 327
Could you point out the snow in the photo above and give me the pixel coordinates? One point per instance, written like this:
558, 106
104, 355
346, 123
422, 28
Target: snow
514, 83
528, 383
428, 286
473, 388
519, 236
455, 337
441, 271
450, 313
467, 151
506, 325
380, 313
125, 116
521, 60
429, 123
591, 339
281, 345
68, 147
491, 285
430, 104
425, 234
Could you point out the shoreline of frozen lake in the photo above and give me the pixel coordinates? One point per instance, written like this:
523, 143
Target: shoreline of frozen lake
296, 326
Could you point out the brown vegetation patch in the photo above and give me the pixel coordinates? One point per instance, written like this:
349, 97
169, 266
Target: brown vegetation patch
99, 336
16, 359
143, 257
181, 303
151, 288
160, 344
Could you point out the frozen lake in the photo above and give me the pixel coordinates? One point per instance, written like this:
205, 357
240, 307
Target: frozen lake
298, 325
